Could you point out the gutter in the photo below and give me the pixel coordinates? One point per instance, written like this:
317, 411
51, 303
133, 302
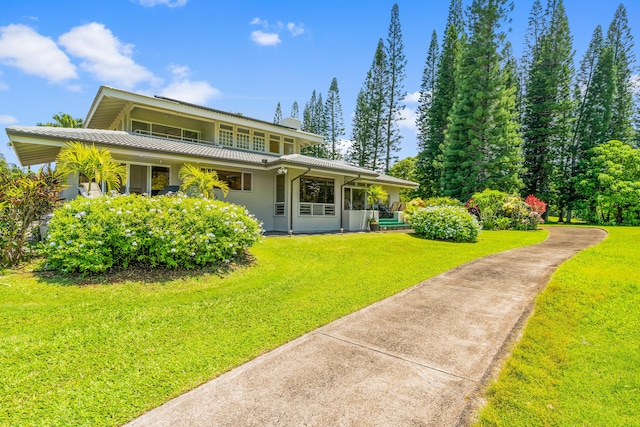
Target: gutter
342, 200
291, 200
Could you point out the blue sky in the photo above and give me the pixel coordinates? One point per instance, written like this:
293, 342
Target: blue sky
240, 56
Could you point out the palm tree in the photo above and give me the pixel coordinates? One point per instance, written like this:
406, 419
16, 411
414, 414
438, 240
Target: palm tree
96, 164
193, 177
377, 194
63, 120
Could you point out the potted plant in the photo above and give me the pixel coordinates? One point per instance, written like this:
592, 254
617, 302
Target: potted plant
373, 224
376, 194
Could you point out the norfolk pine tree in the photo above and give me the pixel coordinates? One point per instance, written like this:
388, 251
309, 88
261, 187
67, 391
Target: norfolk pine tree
429, 179
369, 117
396, 63
334, 119
483, 144
430, 158
294, 110
620, 40
548, 105
277, 117
313, 121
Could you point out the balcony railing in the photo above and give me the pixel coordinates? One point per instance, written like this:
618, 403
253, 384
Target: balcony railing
173, 137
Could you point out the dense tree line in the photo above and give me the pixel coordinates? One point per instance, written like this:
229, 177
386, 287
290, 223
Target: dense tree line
528, 126
486, 119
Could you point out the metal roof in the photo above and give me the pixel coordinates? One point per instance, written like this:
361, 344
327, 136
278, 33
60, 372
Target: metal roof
41, 144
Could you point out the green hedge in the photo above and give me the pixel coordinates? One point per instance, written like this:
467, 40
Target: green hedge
92, 235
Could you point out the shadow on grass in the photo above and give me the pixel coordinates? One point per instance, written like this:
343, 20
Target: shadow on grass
143, 273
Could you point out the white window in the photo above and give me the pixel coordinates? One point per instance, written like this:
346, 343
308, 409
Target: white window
244, 139
225, 135
259, 141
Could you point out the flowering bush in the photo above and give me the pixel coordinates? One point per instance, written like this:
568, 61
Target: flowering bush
536, 205
445, 223
500, 211
93, 235
418, 203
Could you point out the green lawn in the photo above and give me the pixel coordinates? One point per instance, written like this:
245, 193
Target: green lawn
103, 354
578, 362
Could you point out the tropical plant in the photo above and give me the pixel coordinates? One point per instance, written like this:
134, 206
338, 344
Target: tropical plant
25, 198
95, 163
63, 120
194, 178
376, 194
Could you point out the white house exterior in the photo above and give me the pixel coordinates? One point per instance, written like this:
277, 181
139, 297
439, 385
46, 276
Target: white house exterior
261, 161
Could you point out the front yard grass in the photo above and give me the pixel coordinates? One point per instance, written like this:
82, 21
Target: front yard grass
102, 354
578, 361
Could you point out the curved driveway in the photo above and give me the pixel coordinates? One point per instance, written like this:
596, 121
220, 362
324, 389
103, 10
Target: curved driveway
414, 359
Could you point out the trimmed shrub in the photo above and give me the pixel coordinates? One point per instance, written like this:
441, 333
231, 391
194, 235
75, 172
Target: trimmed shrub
419, 203
452, 223
94, 235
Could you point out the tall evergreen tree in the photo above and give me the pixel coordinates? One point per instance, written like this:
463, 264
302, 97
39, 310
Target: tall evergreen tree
483, 144
584, 116
429, 182
369, 118
396, 63
313, 121
429, 164
294, 110
277, 117
334, 120
548, 105
360, 151
620, 40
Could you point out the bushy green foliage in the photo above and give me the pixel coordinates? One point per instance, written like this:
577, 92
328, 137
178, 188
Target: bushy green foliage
93, 235
417, 203
445, 223
610, 185
25, 197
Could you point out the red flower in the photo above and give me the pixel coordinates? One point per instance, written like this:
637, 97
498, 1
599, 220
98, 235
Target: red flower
537, 205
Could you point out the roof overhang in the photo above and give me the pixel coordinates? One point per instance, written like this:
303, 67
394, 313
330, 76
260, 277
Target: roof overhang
109, 103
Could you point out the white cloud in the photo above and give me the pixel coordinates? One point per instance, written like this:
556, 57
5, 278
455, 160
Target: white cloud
23, 48
183, 89
179, 71
295, 30
5, 119
635, 84
258, 21
152, 3
105, 56
412, 97
408, 119
265, 39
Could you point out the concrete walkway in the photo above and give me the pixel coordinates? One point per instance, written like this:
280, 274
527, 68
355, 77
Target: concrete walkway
415, 359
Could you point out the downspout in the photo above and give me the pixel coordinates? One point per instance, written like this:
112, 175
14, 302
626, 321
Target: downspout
291, 201
342, 200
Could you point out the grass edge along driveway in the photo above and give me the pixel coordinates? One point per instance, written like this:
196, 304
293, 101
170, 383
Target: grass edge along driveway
578, 361
101, 355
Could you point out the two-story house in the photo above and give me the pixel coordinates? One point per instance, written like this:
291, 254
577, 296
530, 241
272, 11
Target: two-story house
260, 161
